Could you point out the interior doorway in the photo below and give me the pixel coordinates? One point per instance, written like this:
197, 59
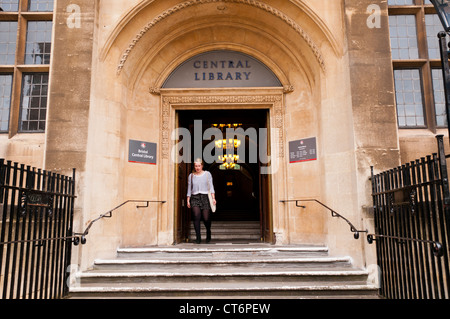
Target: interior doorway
242, 193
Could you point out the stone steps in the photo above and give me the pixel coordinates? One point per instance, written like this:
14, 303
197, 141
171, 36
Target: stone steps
230, 276
218, 250
237, 291
222, 231
241, 271
145, 264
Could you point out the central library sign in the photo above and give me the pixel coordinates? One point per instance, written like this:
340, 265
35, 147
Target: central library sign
222, 69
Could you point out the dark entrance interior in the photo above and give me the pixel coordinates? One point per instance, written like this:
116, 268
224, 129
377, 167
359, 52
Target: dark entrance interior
242, 193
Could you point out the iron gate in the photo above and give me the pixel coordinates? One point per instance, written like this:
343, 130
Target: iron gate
411, 211
36, 217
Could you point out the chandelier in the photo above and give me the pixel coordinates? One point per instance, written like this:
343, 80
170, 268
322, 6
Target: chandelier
231, 145
228, 144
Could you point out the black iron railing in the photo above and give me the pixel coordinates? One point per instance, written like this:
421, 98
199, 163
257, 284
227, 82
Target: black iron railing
36, 231
333, 212
108, 214
436, 247
36, 220
411, 214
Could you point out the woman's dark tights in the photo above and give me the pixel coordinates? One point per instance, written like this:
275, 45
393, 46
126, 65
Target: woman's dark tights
198, 215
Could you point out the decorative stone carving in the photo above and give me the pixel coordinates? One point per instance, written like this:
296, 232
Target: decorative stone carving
155, 91
254, 3
288, 89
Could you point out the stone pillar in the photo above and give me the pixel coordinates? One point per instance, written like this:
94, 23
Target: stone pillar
69, 97
69, 88
373, 99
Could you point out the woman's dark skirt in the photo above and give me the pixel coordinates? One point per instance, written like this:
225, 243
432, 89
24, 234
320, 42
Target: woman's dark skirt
200, 200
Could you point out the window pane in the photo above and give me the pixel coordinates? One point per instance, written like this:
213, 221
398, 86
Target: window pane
38, 45
9, 5
433, 27
439, 97
403, 34
40, 5
427, 2
5, 100
400, 2
408, 92
34, 102
8, 37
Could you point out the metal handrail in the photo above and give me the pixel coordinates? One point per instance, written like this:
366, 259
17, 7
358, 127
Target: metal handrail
108, 214
438, 249
75, 240
353, 229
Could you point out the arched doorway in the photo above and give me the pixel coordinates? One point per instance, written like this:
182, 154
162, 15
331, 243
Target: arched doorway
242, 192
140, 46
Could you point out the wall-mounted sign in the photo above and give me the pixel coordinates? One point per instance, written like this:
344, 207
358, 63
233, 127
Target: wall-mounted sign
223, 68
35, 199
303, 150
142, 152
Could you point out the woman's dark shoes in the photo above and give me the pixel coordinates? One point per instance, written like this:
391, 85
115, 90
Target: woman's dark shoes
208, 236
198, 240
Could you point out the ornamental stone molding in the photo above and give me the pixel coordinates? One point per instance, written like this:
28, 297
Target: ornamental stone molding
286, 89
277, 113
254, 3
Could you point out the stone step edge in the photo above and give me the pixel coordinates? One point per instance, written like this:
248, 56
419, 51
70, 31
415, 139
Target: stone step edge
223, 289
313, 273
220, 250
230, 223
230, 236
228, 232
232, 229
119, 262
235, 227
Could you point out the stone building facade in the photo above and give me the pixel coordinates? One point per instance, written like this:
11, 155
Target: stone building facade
118, 71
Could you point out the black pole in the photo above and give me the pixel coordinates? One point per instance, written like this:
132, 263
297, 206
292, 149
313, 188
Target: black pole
443, 169
445, 73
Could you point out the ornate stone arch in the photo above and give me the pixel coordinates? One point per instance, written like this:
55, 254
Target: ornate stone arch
254, 3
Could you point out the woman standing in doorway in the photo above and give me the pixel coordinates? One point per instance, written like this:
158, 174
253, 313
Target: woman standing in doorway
199, 183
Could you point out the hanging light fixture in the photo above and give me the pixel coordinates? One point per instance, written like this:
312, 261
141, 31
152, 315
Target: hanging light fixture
231, 145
